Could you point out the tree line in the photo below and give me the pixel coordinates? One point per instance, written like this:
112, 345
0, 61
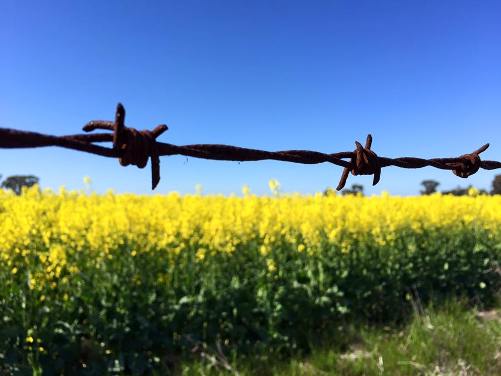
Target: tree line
17, 182
429, 187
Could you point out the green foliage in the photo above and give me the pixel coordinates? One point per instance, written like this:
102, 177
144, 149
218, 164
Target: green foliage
135, 313
451, 340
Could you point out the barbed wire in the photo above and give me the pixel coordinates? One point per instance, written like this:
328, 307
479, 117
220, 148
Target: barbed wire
133, 147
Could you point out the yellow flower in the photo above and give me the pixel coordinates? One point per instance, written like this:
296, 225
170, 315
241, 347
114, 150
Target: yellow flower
31, 283
264, 250
270, 264
473, 192
200, 254
48, 233
245, 190
274, 186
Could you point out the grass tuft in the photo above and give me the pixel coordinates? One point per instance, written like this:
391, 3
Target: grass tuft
449, 340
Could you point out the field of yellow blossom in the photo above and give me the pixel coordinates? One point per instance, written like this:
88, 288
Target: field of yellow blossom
127, 281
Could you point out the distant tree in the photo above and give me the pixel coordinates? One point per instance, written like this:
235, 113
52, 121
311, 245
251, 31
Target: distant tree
496, 185
17, 182
458, 191
430, 186
355, 189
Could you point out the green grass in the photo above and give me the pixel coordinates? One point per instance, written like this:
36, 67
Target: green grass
451, 340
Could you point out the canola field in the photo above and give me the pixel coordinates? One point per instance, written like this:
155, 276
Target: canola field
90, 282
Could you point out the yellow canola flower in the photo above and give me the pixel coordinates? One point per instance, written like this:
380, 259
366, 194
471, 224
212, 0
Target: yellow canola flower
274, 186
52, 230
31, 283
200, 254
246, 190
472, 192
270, 264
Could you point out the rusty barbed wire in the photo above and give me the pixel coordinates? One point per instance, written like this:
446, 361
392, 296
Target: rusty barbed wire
133, 147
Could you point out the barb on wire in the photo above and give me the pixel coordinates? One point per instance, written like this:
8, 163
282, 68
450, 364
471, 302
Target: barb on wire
133, 147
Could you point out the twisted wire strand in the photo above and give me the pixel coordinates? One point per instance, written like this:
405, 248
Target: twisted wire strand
133, 147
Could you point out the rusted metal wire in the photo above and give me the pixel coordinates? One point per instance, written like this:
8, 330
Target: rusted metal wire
133, 147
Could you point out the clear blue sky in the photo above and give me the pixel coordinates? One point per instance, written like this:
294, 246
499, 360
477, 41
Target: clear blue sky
423, 77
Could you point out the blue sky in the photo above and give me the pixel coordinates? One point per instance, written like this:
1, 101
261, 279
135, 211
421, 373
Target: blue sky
422, 76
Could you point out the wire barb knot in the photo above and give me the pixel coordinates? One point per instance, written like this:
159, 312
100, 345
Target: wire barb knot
133, 147
470, 163
363, 162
